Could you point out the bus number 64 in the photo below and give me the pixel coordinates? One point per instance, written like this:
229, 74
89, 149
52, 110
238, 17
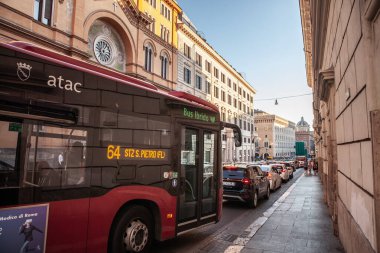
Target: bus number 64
113, 152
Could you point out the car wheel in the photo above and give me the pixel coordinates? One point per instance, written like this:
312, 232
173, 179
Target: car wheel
133, 231
268, 193
254, 200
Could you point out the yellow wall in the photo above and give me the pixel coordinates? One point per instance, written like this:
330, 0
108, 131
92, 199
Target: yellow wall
144, 6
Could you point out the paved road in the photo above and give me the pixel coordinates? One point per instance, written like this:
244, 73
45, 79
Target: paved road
215, 238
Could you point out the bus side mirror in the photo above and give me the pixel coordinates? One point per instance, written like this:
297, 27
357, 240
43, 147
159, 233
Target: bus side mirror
236, 130
237, 138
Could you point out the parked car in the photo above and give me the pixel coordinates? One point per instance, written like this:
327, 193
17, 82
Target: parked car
246, 184
284, 173
273, 176
289, 168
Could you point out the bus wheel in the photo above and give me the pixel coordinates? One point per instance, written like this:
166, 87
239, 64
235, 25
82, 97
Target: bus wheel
133, 232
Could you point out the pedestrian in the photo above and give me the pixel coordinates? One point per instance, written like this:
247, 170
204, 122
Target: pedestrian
310, 166
306, 168
315, 168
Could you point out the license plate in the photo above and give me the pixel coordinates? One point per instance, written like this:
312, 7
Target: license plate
229, 183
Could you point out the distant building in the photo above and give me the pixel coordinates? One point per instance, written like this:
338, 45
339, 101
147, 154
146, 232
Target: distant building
275, 136
206, 74
304, 134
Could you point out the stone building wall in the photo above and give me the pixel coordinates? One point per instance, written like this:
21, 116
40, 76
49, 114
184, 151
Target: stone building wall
345, 59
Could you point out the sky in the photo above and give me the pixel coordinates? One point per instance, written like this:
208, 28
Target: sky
263, 40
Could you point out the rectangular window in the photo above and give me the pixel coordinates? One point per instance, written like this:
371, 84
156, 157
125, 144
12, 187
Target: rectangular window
223, 116
229, 82
216, 92
235, 86
43, 11
152, 3
208, 66
239, 105
186, 51
239, 90
165, 11
187, 75
235, 103
223, 96
198, 59
244, 93
223, 78
229, 99
208, 87
198, 82
216, 72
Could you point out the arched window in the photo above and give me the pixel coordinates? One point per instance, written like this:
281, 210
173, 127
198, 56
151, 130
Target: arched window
148, 57
164, 66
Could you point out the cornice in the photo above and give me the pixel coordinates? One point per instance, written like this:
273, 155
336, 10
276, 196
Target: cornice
307, 38
207, 48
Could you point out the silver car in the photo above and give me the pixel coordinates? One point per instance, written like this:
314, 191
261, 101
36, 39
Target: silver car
282, 170
273, 176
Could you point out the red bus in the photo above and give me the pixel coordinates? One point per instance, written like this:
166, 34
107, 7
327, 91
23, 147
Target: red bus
92, 160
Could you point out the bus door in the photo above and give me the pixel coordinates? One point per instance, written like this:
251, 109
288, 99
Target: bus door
197, 203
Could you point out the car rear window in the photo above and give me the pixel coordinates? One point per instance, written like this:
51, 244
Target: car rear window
277, 167
234, 172
265, 168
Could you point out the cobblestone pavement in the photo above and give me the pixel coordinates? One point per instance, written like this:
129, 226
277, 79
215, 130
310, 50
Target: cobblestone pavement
300, 224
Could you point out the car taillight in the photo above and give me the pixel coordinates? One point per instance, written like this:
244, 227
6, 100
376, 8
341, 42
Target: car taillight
246, 181
284, 170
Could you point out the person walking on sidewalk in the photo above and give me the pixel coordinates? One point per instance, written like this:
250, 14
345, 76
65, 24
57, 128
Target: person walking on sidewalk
315, 168
309, 167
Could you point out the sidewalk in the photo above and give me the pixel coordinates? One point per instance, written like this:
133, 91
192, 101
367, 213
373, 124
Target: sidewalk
301, 223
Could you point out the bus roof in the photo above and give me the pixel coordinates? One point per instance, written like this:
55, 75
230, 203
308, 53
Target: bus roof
45, 54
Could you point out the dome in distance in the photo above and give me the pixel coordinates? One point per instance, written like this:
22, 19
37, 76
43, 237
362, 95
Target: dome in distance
302, 125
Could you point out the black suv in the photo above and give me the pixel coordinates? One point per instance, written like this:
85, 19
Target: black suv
245, 184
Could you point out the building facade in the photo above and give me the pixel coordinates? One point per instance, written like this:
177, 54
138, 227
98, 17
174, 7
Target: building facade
303, 134
135, 37
275, 136
204, 73
341, 41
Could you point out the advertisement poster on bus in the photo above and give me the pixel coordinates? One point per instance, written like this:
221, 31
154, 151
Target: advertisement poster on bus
23, 229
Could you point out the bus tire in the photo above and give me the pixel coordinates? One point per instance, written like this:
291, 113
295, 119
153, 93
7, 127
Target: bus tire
133, 231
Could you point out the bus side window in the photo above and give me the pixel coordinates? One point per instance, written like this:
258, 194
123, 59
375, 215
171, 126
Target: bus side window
56, 157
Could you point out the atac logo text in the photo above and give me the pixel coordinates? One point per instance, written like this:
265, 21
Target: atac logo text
23, 71
64, 84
